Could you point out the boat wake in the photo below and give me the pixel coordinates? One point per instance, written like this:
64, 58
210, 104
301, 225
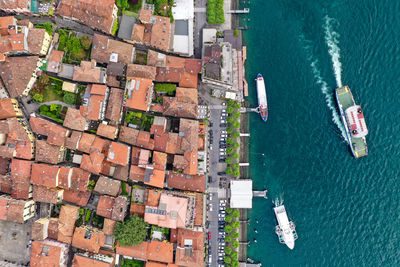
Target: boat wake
328, 97
278, 201
332, 40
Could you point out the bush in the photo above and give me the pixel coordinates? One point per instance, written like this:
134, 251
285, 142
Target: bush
228, 250
44, 108
85, 42
87, 216
234, 255
215, 11
168, 88
53, 107
47, 26
69, 98
236, 33
131, 232
229, 150
229, 119
38, 98
115, 27
228, 219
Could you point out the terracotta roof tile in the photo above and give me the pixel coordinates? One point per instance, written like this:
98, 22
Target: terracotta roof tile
153, 250
46, 195
137, 173
108, 131
7, 109
72, 141
74, 120
55, 134
88, 239
35, 40
48, 253
119, 209
93, 162
193, 256
109, 226
114, 106
52, 231
107, 186
198, 217
157, 178
83, 261
79, 198
105, 206
118, 154
86, 142
88, 72
137, 208
141, 71
20, 176
128, 135
45, 175
153, 197
66, 223
48, 153
159, 160
139, 91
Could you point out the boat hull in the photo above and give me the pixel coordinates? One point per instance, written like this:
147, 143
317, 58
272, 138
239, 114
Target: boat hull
262, 97
358, 146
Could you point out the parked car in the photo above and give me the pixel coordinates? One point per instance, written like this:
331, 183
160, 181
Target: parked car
223, 121
224, 136
222, 146
221, 173
211, 146
211, 124
221, 160
210, 179
224, 103
209, 235
223, 125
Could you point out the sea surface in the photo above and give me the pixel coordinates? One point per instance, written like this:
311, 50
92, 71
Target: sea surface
346, 210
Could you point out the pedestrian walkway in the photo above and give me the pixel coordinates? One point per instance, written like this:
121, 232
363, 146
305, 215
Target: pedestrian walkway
199, 10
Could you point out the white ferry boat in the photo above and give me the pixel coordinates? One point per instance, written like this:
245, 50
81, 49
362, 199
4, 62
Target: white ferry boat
262, 98
286, 230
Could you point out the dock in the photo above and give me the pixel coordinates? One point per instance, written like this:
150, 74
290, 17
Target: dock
239, 11
244, 135
244, 164
260, 194
245, 85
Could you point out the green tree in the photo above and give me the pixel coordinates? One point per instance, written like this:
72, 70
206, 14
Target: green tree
228, 160
228, 239
235, 235
234, 255
229, 119
236, 124
228, 219
228, 250
228, 210
236, 166
236, 135
231, 103
49, 28
227, 259
236, 145
236, 114
53, 107
237, 105
235, 155
235, 263
229, 150
38, 98
236, 224
235, 244
131, 232
228, 170
230, 109
69, 98
168, 88
229, 141
236, 213
76, 45
236, 173
228, 228
229, 130
236, 33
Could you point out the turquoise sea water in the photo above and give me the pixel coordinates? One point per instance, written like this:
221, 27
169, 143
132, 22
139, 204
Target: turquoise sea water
346, 210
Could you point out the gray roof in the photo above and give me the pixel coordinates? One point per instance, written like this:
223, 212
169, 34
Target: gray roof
181, 27
125, 27
236, 42
115, 69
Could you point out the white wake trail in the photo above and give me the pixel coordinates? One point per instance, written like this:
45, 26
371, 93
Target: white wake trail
332, 40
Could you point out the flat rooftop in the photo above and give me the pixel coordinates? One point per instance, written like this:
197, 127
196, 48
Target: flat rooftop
14, 237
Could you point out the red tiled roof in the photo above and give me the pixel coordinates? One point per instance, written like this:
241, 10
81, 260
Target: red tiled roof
153, 250
7, 109
55, 134
44, 174
105, 206
79, 198
83, 261
88, 239
93, 162
118, 154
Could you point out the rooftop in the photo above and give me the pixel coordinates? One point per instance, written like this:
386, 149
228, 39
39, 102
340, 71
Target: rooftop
187, 182
153, 250
107, 186
139, 91
74, 120
88, 239
66, 223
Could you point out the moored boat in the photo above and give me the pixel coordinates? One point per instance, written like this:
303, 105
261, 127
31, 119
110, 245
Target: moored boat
262, 97
286, 230
353, 121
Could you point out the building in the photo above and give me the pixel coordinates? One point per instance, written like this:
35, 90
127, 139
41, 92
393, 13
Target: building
241, 194
54, 63
40, 229
154, 31
55, 133
49, 253
185, 104
112, 208
190, 248
19, 74
94, 102
16, 139
118, 154
107, 186
20, 177
114, 107
99, 15
183, 13
66, 223
218, 64
105, 50
47, 195
11, 6
153, 251
45, 175
89, 73
14, 210
185, 182
92, 260
108, 131
9, 108
49, 153
75, 120
13, 37
38, 41
141, 71
139, 93
171, 212
88, 238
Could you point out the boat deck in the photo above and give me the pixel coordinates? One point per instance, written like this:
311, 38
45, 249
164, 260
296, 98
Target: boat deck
345, 98
359, 147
